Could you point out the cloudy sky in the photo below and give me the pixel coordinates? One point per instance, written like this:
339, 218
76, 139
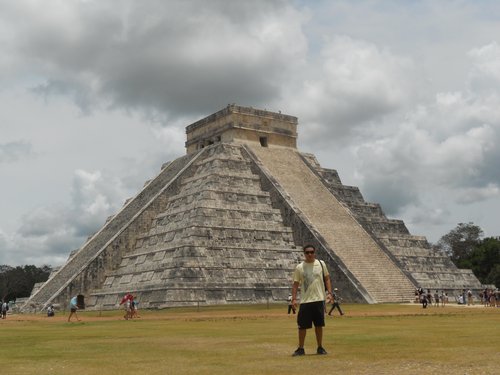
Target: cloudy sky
401, 97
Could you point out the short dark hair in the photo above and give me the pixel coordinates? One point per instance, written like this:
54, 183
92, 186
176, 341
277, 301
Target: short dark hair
308, 246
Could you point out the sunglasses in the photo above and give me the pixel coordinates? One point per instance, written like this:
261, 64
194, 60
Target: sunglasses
308, 252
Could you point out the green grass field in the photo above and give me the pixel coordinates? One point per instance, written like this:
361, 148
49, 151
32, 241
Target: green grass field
369, 339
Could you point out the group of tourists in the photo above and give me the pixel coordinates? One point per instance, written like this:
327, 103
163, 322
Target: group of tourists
427, 298
128, 301
490, 297
130, 304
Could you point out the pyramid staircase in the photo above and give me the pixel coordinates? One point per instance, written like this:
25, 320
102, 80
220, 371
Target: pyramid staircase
427, 268
349, 241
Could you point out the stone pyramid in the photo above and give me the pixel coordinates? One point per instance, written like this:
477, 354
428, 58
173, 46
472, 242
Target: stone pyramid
226, 223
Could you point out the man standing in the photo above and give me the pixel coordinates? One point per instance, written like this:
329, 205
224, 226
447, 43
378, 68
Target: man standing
312, 276
470, 300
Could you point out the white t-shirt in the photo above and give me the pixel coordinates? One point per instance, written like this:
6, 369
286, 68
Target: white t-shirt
310, 278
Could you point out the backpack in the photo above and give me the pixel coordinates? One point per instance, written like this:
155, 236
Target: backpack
323, 273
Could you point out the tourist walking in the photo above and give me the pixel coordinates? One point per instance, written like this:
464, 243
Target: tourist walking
135, 309
424, 300
436, 298
335, 300
312, 276
429, 297
443, 297
73, 306
5, 308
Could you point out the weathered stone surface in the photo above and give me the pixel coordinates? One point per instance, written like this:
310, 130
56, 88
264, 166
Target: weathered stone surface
226, 223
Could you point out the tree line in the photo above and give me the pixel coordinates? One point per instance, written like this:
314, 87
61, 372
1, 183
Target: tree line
17, 282
467, 248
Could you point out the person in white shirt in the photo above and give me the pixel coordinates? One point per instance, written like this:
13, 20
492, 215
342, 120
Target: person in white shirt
312, 276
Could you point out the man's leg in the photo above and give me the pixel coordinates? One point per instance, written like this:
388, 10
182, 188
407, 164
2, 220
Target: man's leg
302, 337
319, 336
340, 310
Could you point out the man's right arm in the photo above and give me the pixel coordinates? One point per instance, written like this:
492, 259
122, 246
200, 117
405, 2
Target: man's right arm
295, 287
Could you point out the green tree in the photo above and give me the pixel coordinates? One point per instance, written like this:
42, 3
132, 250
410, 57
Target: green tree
485, 261
494, 275
19, 281
460, 242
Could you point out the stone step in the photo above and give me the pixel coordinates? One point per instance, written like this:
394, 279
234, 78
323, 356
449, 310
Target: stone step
331, 176
367, 210
223, 161
190, 254
238, 196
216, 211
415, 251
403, 240
244, 176
384, 225
214, 230
347, 194
202, 266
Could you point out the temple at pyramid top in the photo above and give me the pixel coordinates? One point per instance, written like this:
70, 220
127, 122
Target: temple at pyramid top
237, 124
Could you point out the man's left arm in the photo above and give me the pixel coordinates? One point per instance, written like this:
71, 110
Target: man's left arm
328, 285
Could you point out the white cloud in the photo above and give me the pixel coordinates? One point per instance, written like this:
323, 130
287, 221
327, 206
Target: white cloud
173, 57
486, 71
437, 157
351, 83
54, 231
472, 195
